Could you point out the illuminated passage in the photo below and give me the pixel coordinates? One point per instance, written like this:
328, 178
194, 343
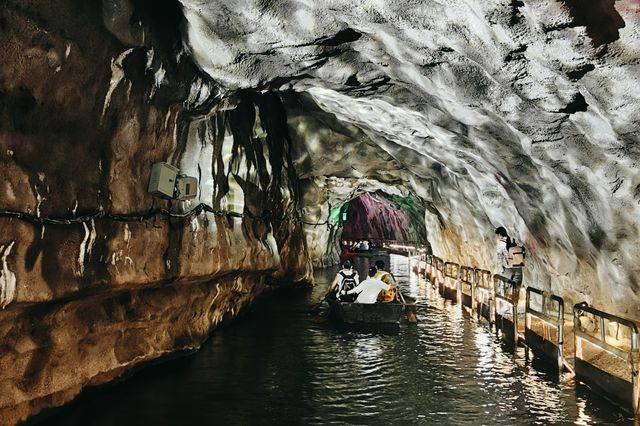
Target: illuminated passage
281, 364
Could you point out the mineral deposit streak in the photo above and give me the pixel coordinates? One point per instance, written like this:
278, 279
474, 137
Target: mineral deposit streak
279, 364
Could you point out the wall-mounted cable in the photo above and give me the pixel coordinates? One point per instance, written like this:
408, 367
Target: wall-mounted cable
149, 214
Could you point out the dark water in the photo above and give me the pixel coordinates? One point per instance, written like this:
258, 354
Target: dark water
279, 364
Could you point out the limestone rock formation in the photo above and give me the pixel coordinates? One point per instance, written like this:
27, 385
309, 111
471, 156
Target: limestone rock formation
97, 275
514, 113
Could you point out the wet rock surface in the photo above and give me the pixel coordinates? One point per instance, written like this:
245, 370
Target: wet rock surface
512, 113
515, 113
50, 352
96, 275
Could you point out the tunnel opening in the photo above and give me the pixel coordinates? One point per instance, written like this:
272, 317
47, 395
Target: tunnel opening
378, 217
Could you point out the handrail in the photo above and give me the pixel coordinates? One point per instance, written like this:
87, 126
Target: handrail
584, 307
467, 287
467, 279
448, 287
448, 270
483, 302
485, 279
542, 313
509, 327
540, 344
618, 387
601, 340
467, 274
385, 243
501, 291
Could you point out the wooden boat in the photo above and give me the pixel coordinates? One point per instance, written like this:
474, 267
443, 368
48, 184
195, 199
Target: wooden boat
348, 254
361, 313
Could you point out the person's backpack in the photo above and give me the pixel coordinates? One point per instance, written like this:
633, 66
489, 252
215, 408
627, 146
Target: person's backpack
516, 255
348, 281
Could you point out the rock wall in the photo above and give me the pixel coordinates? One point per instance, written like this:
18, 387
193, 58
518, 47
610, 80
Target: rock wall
378, 217
513, 113
96, 275
336, 162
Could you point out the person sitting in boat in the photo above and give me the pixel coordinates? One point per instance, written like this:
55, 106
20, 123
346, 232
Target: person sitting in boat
364, 245
369, 289
387, 278
346, 279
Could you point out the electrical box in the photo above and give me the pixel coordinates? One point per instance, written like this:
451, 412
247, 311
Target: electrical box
162, 182
186, 188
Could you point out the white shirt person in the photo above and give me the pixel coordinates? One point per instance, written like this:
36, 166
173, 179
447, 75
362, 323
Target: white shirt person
369, 289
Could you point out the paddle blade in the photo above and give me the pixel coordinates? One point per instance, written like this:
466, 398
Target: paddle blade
411, 314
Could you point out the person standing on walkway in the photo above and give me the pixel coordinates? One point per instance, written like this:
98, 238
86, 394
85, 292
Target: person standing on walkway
504, 264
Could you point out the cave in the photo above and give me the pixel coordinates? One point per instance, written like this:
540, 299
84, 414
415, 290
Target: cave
299, 127
380, 217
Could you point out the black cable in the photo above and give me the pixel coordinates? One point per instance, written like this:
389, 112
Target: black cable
140, 216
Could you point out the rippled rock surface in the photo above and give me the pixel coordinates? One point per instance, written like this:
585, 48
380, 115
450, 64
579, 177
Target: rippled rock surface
514, 113
83, 116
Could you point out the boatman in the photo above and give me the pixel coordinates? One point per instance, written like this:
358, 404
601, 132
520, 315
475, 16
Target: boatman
369, 289
384, 276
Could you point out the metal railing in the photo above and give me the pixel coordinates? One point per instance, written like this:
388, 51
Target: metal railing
467, 280
438, 279
483, 295
615, 373
506, 308
423, 263
428, 272
549, 315
598, 355
450, 283
396, 246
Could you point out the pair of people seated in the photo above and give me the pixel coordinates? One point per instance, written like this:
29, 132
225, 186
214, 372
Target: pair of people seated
362, 245
378, 286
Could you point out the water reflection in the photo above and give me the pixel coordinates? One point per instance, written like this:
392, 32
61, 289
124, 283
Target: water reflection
280, 364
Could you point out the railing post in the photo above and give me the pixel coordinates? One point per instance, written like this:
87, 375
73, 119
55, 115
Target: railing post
473, 291
623, 388
500, 320
527, 304
514, 310
560, 334
634, 371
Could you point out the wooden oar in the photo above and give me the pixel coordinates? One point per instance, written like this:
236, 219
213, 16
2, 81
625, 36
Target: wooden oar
316, 307
411, 315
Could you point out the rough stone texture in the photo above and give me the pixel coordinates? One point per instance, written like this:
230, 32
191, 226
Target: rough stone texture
374, 216
514, 113
335, 162
49, 352
84, 113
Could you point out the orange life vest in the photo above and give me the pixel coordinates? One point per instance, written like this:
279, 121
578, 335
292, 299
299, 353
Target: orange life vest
386, 295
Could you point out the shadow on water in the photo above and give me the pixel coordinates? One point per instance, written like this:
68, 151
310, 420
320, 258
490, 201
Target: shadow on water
280, 363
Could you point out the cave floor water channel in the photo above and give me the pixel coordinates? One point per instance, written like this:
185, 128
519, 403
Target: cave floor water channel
281, 364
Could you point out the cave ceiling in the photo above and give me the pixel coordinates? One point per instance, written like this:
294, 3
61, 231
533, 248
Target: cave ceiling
509, 112
522, 101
